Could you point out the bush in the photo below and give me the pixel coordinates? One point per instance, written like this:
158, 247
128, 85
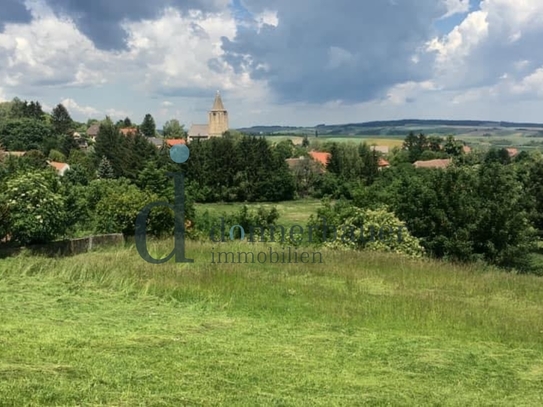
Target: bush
35, 211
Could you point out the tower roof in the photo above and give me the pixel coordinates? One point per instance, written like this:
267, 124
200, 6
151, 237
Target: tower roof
217, 104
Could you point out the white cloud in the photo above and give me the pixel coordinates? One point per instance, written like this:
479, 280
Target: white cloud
50, 51
456, 7
166, 103
116, 114
86, 111
176, 51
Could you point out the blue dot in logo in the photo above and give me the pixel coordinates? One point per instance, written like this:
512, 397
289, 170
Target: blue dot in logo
179, 153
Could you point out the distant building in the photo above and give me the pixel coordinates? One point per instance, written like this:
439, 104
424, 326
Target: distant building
93, 131
380, 149
129, 131
217, 122
60, 167
15, 153
174, 141
320, 157
382, 163
513, 152
157, 142
444, 163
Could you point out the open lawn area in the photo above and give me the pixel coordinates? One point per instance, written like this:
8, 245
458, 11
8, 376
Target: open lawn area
291, 212
106, 328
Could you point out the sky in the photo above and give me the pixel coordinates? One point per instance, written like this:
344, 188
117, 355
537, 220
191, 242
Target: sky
276, 62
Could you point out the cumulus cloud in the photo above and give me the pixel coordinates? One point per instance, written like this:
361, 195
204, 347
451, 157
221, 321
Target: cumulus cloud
181, 52
352, 51
49, 52
102, 20
493, 43
73, 106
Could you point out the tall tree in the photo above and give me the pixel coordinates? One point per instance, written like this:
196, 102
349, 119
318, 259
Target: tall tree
148, 127
61, 120
105, 170
173, 129
127, 122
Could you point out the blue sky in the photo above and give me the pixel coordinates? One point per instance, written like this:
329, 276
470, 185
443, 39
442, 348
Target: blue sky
276, 61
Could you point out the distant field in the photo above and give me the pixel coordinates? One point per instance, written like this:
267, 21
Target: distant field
380, 141
108, 329
377, 140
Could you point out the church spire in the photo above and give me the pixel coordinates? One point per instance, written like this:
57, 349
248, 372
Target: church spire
217, 104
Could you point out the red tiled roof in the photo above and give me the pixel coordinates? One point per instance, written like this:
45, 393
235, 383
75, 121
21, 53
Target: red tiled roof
383, 163
129, 131
320, 157
175, 141
466, 149
58, 166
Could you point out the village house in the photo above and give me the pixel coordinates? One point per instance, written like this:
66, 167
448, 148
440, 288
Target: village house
320, 157
93, 131
60, 167
444, 163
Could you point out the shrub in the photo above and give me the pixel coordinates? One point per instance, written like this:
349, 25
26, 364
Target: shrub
34, 207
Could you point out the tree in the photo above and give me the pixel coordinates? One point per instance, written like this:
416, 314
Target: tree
305, 142
61, 120
127, 122
453, 147
105, 170
172, 129
23, 134
148, 127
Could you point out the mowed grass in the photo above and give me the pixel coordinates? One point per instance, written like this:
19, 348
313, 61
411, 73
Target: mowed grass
106, 328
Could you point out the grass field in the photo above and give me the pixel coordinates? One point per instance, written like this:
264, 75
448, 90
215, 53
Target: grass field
106, 328
371, 140
291, 212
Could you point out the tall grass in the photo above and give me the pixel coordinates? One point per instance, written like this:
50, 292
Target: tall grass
348, 289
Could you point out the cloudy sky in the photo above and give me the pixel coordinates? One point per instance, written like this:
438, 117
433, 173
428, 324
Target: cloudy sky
288, 62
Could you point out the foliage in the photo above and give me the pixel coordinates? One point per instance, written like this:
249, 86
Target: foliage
23, 134
105, 170
35, 208
148, 127
173, 129
61, 120
117, 210
376, 230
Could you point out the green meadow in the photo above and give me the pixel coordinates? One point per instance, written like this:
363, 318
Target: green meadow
290, 212
107, 329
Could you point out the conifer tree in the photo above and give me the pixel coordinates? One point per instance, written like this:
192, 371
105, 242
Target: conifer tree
148, 127
105, 170
62, 122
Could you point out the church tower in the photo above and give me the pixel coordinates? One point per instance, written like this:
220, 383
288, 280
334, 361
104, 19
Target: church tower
218, 118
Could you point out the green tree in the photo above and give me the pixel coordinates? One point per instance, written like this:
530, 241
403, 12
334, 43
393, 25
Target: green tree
148, 127
173, 129
61, 120
105, 170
